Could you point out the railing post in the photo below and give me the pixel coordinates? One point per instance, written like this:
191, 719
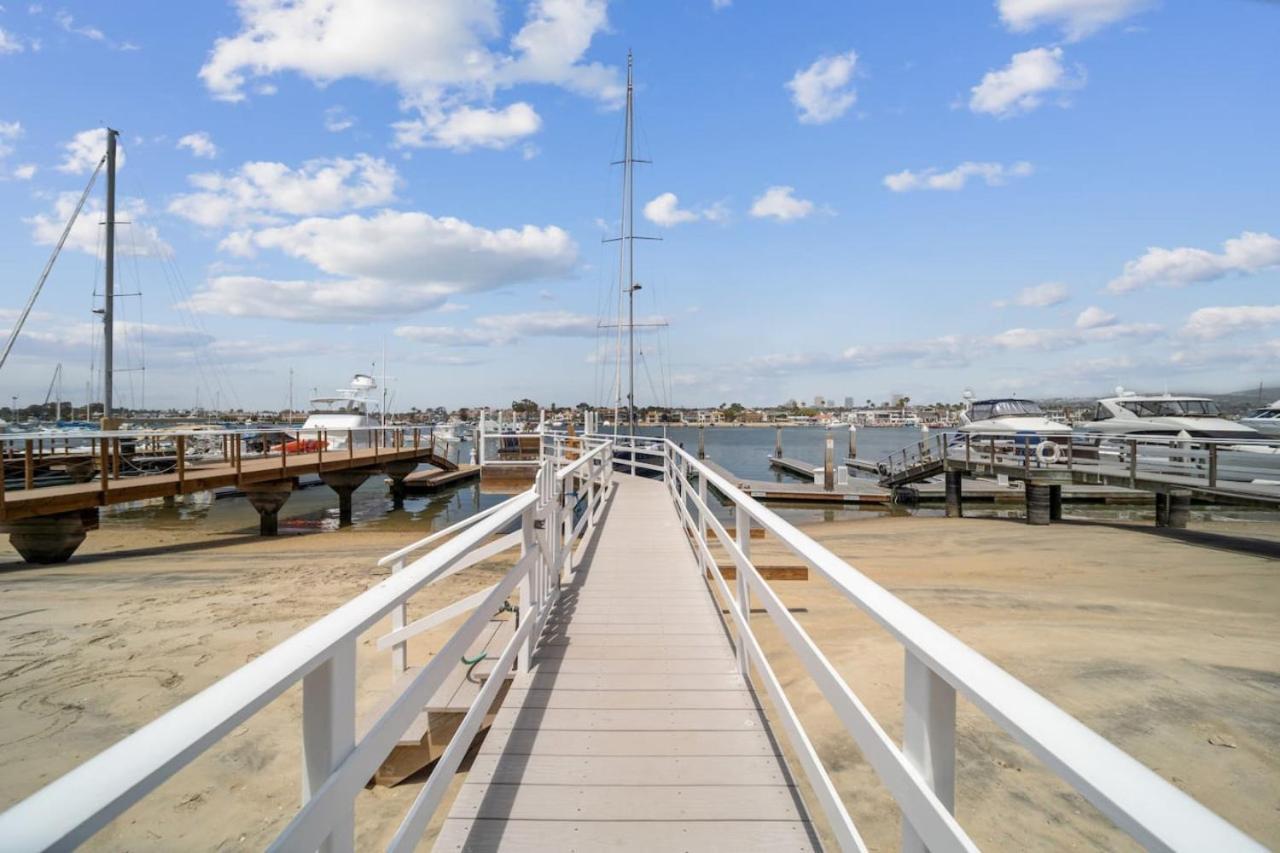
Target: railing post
399, 618
702, 513
742, 521
29, 467
1133, 463
928, 738
1213, 466
528, 543
182, 462
329, 735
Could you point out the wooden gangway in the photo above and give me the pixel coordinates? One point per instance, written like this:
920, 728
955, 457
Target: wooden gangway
634, 728
634, 718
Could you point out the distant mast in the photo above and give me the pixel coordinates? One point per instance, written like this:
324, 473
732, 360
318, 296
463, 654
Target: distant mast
109, 295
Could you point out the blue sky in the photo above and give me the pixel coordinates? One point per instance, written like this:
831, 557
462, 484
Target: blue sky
1038, 197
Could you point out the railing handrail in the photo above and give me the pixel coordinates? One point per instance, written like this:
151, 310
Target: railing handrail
72, 808
1140, 802
74, 434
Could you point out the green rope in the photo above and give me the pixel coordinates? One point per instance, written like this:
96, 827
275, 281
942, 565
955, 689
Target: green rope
471, 663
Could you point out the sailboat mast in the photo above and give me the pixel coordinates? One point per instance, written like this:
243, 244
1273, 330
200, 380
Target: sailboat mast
109, 295
628, 180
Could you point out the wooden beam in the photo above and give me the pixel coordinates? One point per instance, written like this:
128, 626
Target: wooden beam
769, 572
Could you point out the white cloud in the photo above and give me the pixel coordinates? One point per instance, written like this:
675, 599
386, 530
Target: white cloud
665, 211
721, 4
84, 150
1210, 323
1037, 296
25, 172
1251, 252
135, 238
199, 144
447, 64
823, 92
389, 263
1094, 317
781, 204
1076, 18
994, 174
10, 43
1022, 85
9, 131
470, 127
337, 119
498, 329
259, 192
65, 20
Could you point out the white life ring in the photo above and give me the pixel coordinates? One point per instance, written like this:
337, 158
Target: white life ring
1047, 451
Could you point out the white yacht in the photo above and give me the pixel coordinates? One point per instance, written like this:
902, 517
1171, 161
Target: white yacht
1265, 420
1129, 414
345, 413
1009, 416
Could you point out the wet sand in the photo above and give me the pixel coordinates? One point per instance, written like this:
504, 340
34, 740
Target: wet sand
1160, 645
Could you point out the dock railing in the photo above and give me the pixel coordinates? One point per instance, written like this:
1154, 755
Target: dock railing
335, 765
1212, 462
39, 459
921, 773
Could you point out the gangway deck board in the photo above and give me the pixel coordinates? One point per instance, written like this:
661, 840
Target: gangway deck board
633, 728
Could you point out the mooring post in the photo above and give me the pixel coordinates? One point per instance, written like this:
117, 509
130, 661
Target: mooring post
955, 507
1055, 503
777, 443
853, 442
828, 463
702, 441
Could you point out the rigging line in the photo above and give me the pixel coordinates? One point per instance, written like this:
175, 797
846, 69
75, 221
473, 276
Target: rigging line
48, 267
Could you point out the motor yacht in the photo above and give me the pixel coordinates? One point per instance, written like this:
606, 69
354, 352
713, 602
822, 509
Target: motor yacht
345, 414
1129, 414
1265, 420
1009, 416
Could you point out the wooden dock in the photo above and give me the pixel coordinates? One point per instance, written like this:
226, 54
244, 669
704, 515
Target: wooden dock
633, 729
853, 492
432, 481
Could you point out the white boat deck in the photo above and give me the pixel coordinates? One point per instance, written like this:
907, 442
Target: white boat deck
634, 728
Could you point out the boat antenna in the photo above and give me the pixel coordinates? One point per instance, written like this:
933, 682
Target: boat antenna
109, 285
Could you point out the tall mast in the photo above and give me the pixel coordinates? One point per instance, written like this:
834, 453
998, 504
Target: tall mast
628, 191
108, 307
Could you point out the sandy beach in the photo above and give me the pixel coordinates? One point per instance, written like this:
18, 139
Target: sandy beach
1166, 646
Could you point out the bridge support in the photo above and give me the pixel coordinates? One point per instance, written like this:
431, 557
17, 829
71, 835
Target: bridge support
50, 538
397, 471
1037, 502
344, 483
267, 499
954, 479
1173, 508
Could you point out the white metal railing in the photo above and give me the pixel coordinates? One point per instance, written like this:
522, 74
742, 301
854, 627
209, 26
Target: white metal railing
322, 656
920, 775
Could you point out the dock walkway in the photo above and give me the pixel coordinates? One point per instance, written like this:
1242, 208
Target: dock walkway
634, 728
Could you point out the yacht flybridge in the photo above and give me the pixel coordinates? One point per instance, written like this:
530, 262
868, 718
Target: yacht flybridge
1137, 414
1009, 416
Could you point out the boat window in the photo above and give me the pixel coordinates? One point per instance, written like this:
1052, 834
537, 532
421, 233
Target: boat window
1102, 413
1017, 407
980, 412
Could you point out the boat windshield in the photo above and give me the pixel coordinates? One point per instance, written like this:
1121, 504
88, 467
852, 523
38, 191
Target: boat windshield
1173, 408
335, 405
986, 409
1264, 414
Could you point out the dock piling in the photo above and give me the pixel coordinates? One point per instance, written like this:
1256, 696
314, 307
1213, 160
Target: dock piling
344, 483
853, 442
777, 443
828, 463
954, 489
1037, 497
702, 442
267, 499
